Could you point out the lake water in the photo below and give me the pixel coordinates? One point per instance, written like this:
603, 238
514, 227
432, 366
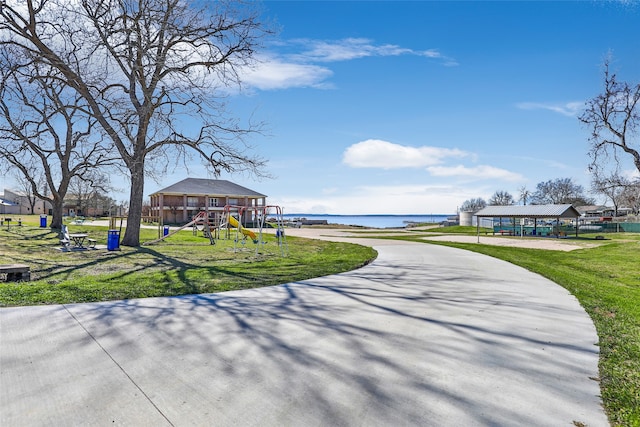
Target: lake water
377, 221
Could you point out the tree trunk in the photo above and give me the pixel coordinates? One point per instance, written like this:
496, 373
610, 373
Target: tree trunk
132, 232
57, 205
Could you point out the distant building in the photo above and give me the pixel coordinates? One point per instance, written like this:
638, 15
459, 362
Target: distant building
179, 202
18, 204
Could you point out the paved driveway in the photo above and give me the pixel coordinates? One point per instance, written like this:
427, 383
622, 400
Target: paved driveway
426, 335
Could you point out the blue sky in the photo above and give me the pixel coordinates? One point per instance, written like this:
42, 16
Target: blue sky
414, 107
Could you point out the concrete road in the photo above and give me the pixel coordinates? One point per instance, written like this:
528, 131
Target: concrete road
424, 336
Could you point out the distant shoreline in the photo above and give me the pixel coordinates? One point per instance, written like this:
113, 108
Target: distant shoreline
372, 220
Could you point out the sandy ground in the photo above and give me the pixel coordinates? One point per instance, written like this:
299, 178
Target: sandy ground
518, 242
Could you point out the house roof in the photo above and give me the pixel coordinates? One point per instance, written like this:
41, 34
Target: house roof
529, 211
208, 187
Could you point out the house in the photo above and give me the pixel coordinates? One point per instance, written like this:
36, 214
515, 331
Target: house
178, 203
91, 205
15, 203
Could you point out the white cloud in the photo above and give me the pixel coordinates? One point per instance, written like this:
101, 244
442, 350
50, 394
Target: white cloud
354, 48
631, 174
272, 73
570, 109
330, 190
400, 199
476, 172
293, 63
375, 153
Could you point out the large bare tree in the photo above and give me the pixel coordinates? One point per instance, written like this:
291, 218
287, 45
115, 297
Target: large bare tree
560, 191
154, 74
501, 198
614, 121
612, 186
46, 132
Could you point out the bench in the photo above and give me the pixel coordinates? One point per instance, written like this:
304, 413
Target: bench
65, 240
92, 243
15, 272
65, 243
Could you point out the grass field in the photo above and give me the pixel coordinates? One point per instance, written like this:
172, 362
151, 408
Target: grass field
183, 264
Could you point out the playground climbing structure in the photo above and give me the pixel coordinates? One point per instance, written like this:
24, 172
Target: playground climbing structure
260, 215
234, 217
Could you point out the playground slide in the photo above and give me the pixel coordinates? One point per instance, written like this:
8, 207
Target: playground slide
234, 223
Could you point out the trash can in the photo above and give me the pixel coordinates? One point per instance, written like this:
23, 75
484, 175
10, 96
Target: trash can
113, 240
166, 230
43, 221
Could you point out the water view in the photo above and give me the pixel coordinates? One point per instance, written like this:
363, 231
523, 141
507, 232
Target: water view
377, 221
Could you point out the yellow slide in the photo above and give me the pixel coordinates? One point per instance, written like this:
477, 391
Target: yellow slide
234, 223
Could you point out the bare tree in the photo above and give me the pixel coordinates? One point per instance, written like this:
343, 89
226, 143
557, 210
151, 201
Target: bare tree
47, 135
630, 197
613, 187
86, 188
26, 189
560, 191
501, 198
614, 119
473, 205
524, 194
153, 73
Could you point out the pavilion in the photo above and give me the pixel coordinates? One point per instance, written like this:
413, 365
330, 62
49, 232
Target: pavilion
534, 212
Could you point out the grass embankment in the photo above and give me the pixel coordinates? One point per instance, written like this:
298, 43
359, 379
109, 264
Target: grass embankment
183, 264
606, 281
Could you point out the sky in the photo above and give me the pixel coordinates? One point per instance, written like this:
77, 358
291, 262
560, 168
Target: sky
414, 107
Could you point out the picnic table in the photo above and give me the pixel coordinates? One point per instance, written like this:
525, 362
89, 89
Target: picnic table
78, 239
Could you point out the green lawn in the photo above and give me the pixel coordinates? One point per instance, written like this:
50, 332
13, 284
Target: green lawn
182, 264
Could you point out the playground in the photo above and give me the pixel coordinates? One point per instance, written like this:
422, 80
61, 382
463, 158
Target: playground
228, 225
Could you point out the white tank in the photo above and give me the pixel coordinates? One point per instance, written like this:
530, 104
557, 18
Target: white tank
466, 218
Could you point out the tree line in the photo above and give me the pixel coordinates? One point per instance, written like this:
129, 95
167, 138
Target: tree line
622, 192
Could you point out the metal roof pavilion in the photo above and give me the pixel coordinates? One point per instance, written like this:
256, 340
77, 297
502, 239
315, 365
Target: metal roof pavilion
529, 211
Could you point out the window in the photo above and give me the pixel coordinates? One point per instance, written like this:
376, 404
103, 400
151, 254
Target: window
192, 202
213, 203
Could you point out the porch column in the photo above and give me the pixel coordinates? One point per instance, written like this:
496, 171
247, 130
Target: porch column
161, 208
185, 212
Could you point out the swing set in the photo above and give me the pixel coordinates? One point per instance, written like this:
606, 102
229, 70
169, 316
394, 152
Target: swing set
232, 217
